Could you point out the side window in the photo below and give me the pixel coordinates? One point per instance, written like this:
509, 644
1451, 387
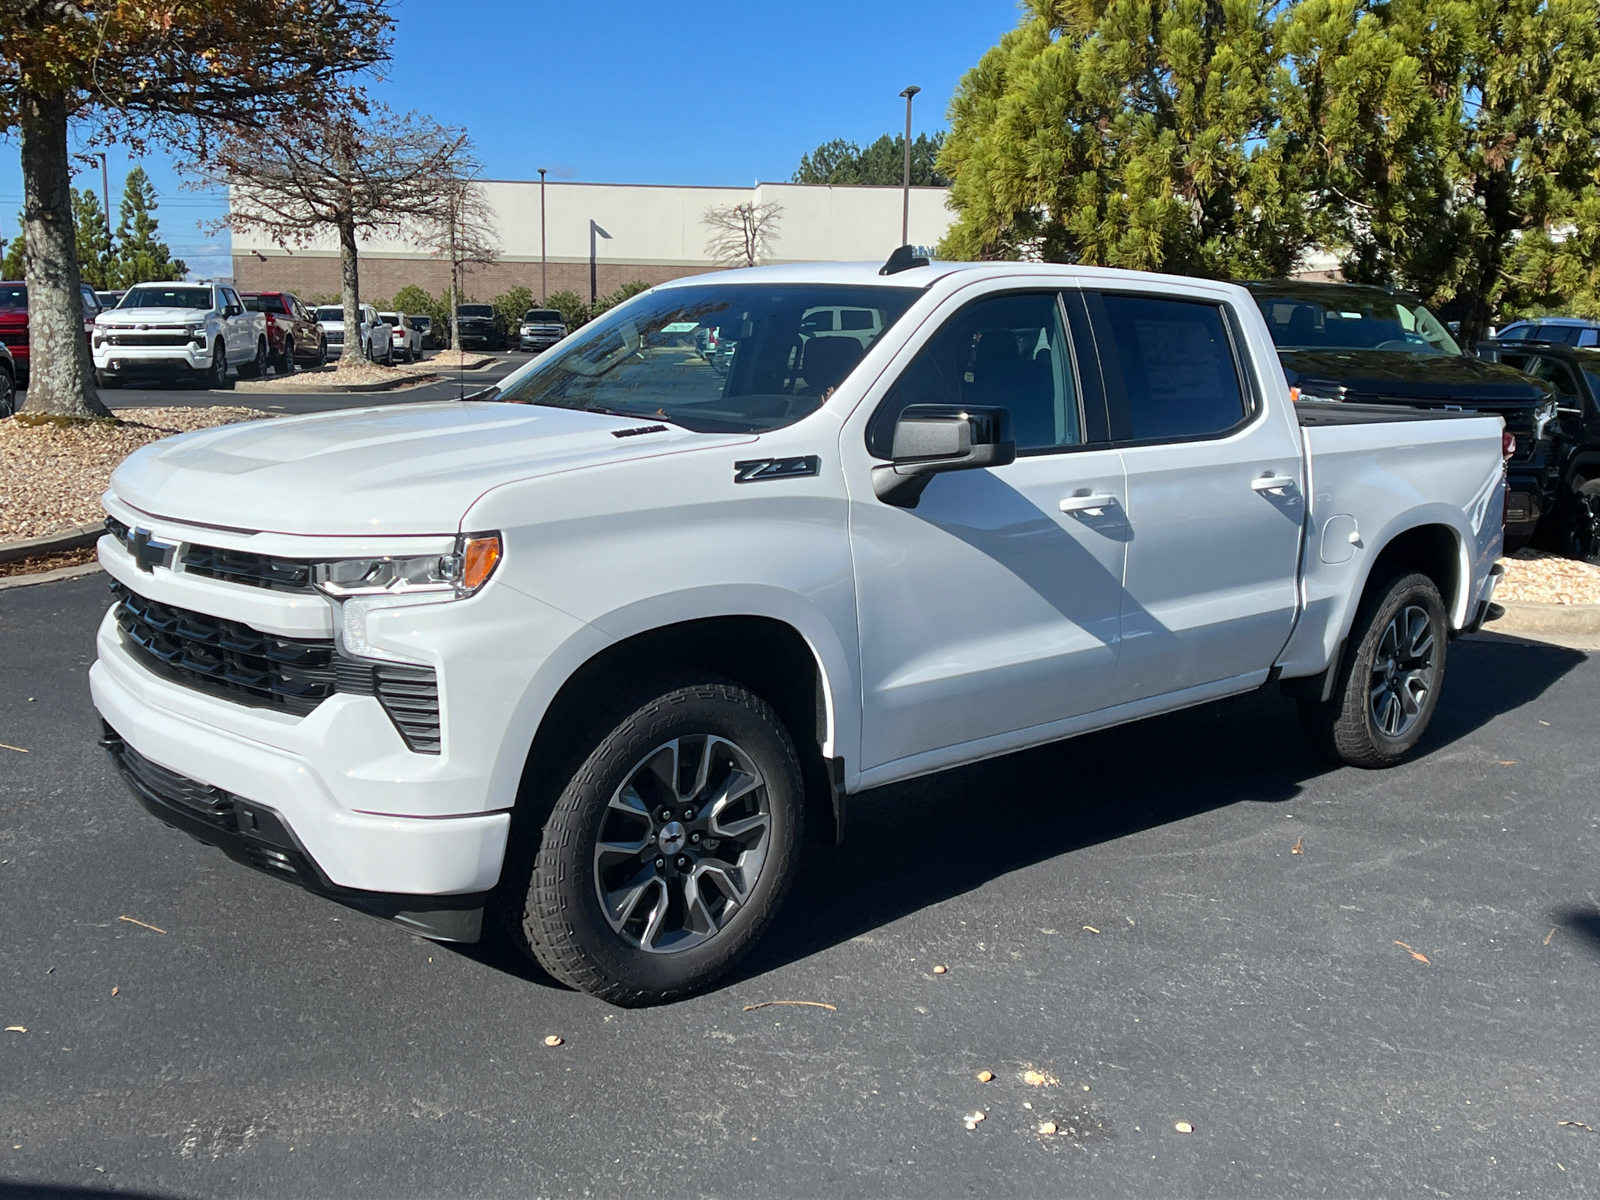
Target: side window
1178, 374
1557, 375
1011, 351
1591, 337
91, 302
231, 298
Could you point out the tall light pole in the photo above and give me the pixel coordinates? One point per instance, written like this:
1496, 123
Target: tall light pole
544, 260
594, 290
105, 187
905, 211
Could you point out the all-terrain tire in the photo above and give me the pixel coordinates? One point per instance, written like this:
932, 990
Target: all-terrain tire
551, 894
1347, 727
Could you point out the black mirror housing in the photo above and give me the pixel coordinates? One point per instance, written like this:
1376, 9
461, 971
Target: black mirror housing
930, 439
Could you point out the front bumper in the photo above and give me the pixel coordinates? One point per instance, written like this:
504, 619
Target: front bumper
134, 359
259, 837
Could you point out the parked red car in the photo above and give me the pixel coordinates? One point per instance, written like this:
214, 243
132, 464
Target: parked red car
292, 330
14, 322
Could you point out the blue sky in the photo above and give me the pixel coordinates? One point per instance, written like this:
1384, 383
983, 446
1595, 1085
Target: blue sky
635, 93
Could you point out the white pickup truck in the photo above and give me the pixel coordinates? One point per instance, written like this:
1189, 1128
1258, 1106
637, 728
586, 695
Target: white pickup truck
170, 331
590, 651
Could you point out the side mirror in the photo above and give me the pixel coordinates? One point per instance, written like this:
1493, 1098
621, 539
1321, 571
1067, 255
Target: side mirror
930, 439
233, 310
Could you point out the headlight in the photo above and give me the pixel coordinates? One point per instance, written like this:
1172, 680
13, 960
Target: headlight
365, 585
451, 576
197, 332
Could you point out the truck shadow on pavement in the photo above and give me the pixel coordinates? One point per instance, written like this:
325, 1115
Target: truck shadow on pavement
914, 844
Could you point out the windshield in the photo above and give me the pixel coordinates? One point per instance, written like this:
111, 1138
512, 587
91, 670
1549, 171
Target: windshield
13, 295
167, 297
542, 316
475, 310
719, 359
329, 312
271, 304
1353, 319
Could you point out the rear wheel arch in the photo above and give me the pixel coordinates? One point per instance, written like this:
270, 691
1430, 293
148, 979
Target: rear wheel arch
1435, 550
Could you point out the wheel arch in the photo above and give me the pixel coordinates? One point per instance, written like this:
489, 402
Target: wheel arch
799, 672
1431, 544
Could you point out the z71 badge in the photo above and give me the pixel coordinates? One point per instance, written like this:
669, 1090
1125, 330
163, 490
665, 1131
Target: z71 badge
756, 470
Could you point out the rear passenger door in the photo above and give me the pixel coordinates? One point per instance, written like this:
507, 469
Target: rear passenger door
1215, 499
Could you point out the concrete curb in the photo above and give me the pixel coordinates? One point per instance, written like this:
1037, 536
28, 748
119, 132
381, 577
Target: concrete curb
1524, 617
52, 543
288, 387
60, 573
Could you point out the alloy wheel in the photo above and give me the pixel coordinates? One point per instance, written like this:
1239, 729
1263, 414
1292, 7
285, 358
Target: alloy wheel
1583, 528
1402, 672
682, 843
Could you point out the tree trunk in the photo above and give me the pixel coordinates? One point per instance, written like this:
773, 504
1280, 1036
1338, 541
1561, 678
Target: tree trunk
352, 291
60, 372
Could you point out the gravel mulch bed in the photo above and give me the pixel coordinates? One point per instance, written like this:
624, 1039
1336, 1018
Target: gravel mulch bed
47, 562
51, 477
1539, 578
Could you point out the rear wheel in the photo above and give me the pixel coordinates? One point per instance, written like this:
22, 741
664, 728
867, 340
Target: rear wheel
256, 368
1388, 685
668, 851
8, 393
102, 379
284, 363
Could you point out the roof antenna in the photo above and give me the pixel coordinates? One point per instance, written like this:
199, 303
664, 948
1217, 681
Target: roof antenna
903, 259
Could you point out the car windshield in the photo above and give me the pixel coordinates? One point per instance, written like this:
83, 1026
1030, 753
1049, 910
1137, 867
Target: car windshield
13, 295
330, 312
736, 358
542, 316
1352, 319
271, 304
475, 310
167, 297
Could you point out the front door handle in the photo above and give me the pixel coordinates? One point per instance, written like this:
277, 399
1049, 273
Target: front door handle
1272, 483
1094, 506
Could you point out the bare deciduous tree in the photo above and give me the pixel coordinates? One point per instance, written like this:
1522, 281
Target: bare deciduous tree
164, 71
464, 232
742, 234
345, 172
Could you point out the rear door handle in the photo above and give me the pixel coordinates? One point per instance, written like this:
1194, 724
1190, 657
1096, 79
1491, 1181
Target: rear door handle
1092, 505
1272, 483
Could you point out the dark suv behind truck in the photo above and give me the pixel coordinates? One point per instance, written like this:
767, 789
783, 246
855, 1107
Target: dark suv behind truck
1343, 342
479, 325
1573, 498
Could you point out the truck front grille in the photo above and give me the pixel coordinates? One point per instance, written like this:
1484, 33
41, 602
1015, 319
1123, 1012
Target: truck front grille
233, 566
227, 658
234, 662
145, 339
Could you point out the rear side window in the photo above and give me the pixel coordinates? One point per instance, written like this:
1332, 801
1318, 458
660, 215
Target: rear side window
1179, 378
1011, 351
1567, 334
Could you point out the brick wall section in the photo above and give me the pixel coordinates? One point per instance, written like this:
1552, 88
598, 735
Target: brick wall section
383, 277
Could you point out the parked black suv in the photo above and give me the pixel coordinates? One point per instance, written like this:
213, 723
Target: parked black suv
1575, 488
1368, 345
479, 325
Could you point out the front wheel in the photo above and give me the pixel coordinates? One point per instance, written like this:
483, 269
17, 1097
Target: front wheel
1581, 524
8, 394
1388, 685
216, 375
667, 853
102, 379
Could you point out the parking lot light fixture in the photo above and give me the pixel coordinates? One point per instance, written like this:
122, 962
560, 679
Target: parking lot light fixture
544, 260
905, 210
594, 290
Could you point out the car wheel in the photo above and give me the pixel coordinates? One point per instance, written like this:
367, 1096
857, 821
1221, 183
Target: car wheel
321, 360
1582, 523
668, 851
8, 394
1388, 685
105, 379
256, 368
216, 375
285, 363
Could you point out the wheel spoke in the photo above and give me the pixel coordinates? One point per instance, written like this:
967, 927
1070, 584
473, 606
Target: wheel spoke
728, 879
697, 918
657, 918
620, 904
702, 771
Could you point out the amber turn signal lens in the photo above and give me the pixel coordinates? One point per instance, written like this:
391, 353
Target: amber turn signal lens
478, 558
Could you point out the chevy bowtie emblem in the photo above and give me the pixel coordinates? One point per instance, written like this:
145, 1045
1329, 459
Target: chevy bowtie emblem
150, 554
144, 327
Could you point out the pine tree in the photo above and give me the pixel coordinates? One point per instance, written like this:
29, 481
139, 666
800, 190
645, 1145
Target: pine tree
140, 256
15, 265
882, 164
1130, 133
93, 239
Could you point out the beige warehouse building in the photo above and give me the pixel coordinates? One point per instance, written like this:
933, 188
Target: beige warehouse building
656, 234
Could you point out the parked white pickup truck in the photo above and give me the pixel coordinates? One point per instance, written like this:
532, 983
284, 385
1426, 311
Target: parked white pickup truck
592, 650
178, 330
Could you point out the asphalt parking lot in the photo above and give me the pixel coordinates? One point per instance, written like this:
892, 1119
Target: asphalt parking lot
1405, 1005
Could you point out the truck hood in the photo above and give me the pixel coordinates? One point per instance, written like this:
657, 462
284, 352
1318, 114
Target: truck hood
1394, 375
400, 470
152, 316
